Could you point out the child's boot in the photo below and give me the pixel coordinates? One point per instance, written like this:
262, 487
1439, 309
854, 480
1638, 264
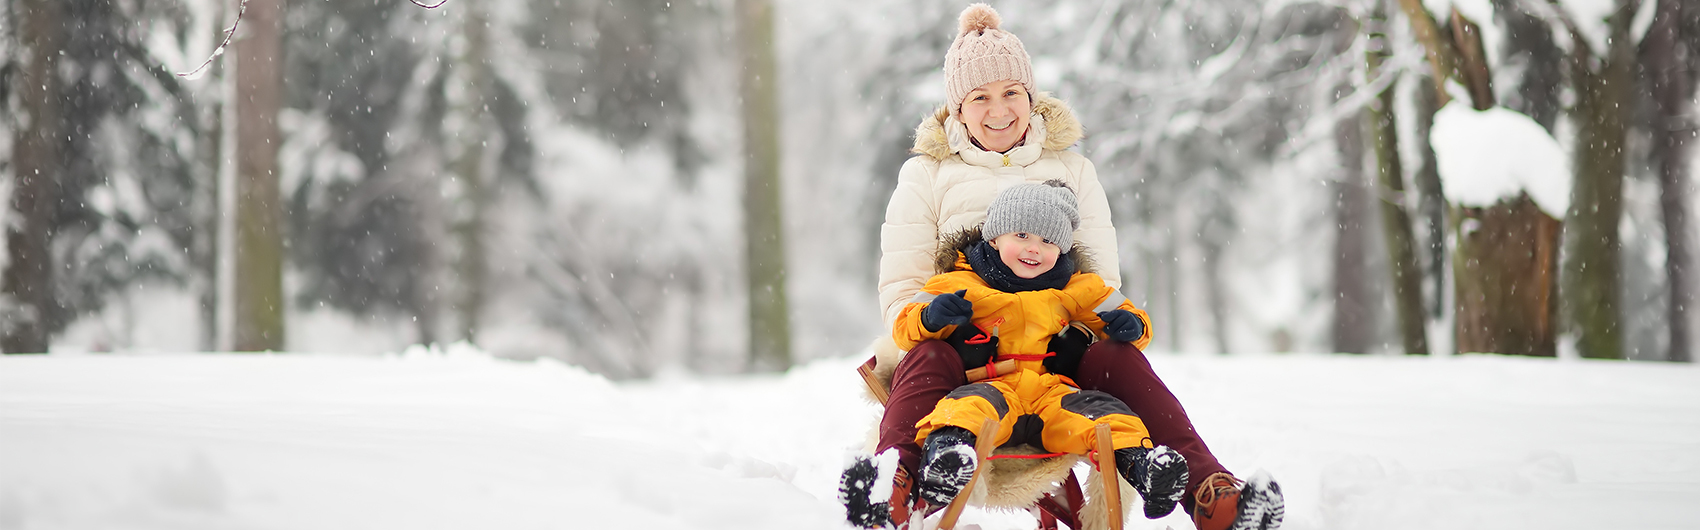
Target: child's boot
1159, 474
1223, 502
947, 462
875, 491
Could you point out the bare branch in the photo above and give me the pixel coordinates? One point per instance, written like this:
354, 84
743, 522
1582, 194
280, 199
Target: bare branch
1427, 31
228, 34
231, 33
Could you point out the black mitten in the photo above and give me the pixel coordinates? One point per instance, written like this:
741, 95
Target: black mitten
1122, 325
948, 309
1069, 347
975, 347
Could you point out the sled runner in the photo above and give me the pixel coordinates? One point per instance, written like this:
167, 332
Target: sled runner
1023, 477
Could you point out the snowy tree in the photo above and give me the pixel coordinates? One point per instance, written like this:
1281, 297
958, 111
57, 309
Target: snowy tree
29, 305
1504, 265
1382, 132
1670, 55
116, 133
1190, 106
1600, 74
1356, 307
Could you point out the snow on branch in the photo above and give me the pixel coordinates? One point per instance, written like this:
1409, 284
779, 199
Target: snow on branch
229, 34
1585, 24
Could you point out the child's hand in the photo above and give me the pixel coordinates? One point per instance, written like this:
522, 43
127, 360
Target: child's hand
949, 309
1069, 347
1122, 325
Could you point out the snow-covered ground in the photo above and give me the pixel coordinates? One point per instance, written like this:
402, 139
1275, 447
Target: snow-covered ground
458, 439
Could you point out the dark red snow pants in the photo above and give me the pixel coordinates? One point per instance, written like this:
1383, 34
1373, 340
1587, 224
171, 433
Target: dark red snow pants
933, 369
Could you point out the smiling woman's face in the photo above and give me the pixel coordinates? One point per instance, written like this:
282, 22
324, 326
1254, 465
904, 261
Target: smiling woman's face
996, 114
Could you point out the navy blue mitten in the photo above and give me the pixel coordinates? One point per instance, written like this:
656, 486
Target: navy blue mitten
1122, 325
948, 309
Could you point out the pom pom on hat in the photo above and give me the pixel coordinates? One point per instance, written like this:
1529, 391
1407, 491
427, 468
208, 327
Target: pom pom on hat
979, 17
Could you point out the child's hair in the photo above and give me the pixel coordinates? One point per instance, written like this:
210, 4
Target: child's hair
1046, 210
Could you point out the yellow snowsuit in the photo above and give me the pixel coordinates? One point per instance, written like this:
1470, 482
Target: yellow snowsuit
1031, 405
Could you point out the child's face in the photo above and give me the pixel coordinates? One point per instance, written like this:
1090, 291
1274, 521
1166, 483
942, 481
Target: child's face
1026, 254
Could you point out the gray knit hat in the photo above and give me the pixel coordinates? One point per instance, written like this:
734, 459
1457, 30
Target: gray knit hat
982, 53
1045, 210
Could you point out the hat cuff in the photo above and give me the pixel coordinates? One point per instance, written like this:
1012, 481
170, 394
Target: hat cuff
986, 69
1054, 228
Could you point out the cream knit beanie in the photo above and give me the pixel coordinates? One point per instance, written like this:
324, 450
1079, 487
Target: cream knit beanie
981, 54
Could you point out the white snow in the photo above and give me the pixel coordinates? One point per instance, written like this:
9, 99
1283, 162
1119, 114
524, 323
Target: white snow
1487, 156
1478, 11
457, 439
1590, 18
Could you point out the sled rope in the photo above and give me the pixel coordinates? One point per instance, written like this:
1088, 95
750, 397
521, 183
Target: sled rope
1040, 455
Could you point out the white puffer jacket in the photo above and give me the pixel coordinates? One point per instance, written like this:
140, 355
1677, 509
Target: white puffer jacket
947, 187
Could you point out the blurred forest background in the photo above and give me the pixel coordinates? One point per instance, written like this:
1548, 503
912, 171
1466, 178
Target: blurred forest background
646, 185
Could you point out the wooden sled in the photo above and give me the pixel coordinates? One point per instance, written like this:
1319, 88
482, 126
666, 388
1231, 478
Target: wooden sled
1011, 478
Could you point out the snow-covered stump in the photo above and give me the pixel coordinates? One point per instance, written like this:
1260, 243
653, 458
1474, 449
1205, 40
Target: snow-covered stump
1508, 183
1505, 270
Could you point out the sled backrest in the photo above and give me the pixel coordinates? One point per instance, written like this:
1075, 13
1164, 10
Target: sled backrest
875, 387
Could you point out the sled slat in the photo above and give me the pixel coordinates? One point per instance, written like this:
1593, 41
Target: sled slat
1107, 472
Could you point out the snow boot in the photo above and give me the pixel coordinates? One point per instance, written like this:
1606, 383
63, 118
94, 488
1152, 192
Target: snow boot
947, 462
875, 492
1223, 502
1159, 474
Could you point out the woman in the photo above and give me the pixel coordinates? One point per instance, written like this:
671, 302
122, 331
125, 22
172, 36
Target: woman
996, 132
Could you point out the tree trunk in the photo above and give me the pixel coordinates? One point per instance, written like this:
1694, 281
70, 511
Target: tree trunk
1383, 135
1436, 46
1356, 307
1472, 61
1432, 205
1216, 293
26, 289
1506, 261
1591, 251
471, 269
259, 303
770, 330
1529, 41
210, 152
1667, 52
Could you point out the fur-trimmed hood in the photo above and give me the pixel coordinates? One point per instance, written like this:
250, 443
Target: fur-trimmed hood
952, 246
1061, 129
